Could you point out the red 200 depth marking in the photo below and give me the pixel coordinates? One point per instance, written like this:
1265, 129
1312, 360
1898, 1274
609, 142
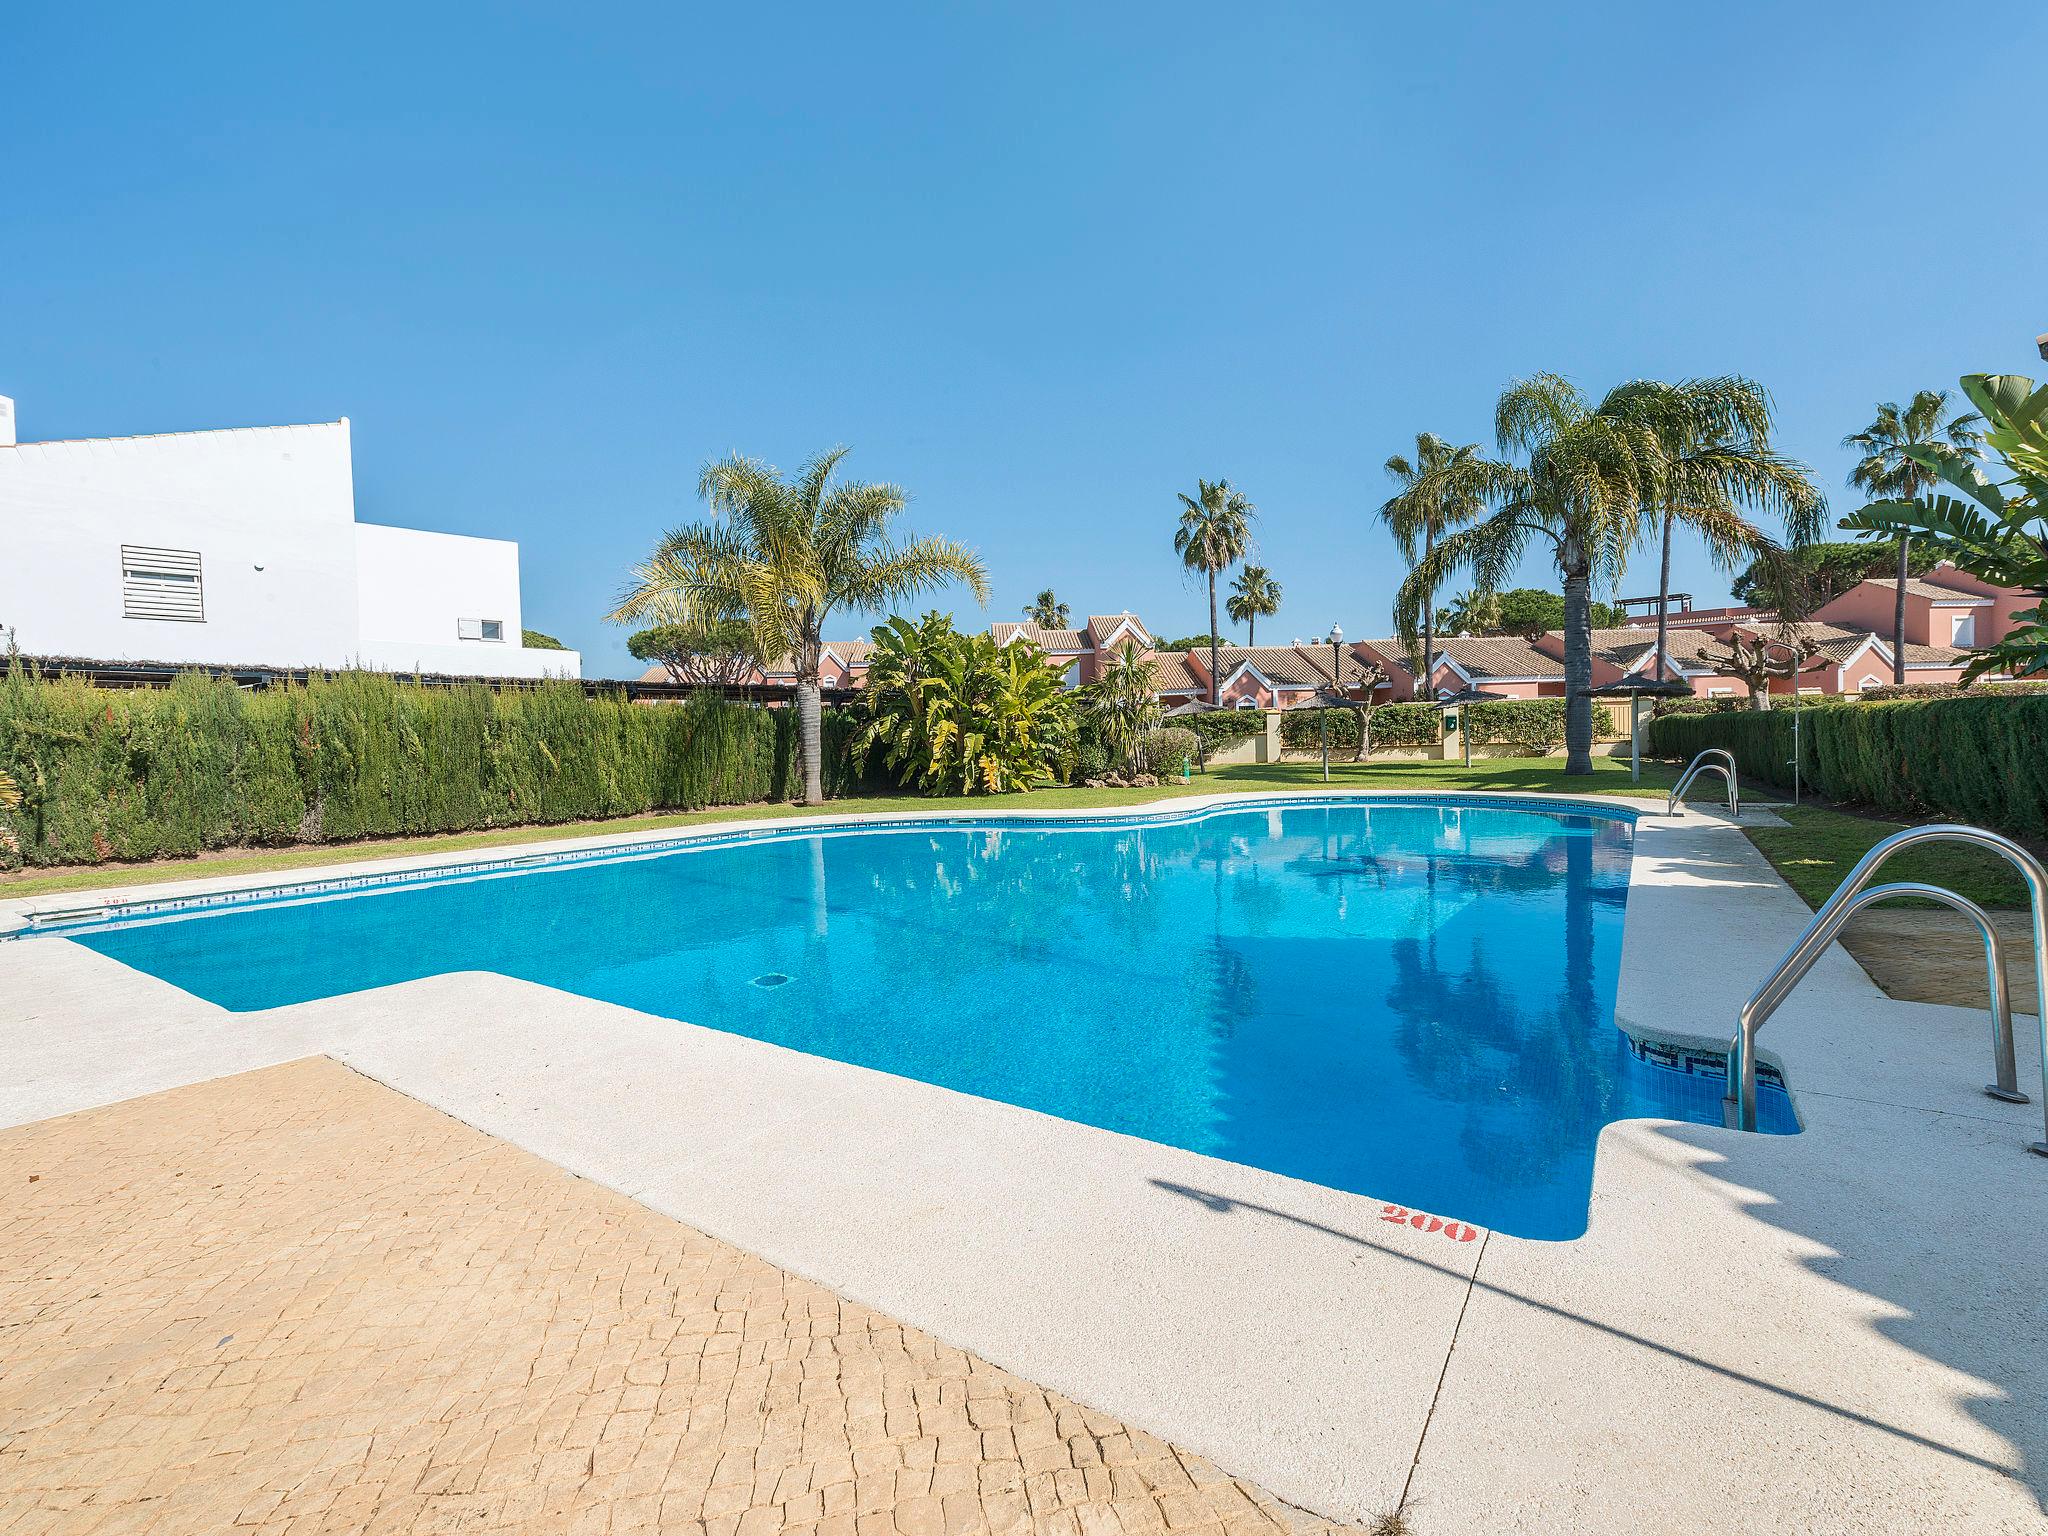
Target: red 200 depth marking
1422, 1221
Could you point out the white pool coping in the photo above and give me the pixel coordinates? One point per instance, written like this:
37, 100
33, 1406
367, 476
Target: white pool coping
1827, 1332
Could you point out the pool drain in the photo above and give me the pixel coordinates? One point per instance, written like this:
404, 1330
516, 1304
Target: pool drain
772, 979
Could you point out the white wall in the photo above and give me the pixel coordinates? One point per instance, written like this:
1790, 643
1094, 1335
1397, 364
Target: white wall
271, 511
290, 578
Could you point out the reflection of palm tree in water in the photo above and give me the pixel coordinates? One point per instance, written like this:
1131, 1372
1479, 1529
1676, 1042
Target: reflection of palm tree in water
1530, 1085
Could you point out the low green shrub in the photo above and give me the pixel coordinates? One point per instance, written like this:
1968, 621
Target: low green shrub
155, 773
1223, 727
1534, 723
1981, 759
1407, 725
1163, 751
1393, 725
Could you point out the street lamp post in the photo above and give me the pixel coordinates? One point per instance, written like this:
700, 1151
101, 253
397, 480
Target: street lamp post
1336, 687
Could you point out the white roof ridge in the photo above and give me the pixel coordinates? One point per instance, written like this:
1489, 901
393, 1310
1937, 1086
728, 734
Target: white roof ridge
139, 437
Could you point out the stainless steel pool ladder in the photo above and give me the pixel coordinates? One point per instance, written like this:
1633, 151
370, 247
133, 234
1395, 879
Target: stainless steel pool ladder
1851, 897
1722, 761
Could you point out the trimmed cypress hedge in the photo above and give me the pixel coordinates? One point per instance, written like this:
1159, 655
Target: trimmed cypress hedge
141, 774
1982, 760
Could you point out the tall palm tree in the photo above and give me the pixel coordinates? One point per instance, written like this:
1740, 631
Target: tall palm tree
783, 554
1714, 438
1215, 533
1255, 595
1887, 472
1442, 487
1580, 493
1047, 611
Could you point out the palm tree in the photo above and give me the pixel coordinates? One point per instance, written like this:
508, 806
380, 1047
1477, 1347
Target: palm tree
1215, 533
1580, 492
1047, 611
1442, 487
783, 554
1474, 611
1255, 595
1887, 472
1714, 438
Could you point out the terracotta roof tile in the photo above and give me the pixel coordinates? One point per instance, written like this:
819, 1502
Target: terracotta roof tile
1297, 666
1499, 656
1919, 586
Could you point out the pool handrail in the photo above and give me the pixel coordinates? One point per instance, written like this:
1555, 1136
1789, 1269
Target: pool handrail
1698, 766
1850, 897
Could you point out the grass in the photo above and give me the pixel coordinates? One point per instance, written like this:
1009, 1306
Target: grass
1819, 845
1525, 775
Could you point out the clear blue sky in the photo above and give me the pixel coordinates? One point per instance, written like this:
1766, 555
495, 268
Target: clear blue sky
1044, 265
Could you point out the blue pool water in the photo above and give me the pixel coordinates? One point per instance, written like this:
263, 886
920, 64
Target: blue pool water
1414, 1002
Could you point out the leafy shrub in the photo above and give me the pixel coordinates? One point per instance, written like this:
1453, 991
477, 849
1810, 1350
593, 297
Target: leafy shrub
1407, 725
154, 773
1393, 725
1223, 727
1534, 723
1302, 729
1978, 760
1163, 751
947, 711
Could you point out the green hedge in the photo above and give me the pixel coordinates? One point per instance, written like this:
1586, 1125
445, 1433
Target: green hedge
1221, 728
1979, 760
153, 773
1393, 725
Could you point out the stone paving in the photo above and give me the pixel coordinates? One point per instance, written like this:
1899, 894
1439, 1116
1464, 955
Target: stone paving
297, 1301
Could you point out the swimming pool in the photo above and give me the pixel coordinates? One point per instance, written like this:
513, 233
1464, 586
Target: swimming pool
1409, 1000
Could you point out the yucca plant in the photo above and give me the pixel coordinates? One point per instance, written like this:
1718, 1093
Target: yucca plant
2000, 533
1125, 704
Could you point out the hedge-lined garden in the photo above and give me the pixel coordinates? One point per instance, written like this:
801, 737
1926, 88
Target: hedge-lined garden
1537, 724
141, 774
1981, 760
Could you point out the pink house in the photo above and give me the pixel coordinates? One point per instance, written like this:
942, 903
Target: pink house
1083, 654
1509, 665
1945, 609
1281, 676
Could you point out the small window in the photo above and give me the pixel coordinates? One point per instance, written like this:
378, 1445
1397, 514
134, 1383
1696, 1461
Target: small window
1964, 634
1720, 693
1869, 683
162, 584
480, 629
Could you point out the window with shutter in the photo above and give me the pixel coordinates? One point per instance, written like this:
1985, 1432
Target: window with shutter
162, 584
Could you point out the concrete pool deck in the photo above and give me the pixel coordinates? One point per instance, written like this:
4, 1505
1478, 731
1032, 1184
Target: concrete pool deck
1826, 1332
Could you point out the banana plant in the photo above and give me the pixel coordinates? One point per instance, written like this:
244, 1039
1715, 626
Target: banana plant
1996, 530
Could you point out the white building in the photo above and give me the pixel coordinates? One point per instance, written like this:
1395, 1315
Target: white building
242, 547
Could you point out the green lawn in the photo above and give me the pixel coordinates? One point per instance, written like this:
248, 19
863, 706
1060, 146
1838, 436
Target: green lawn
1511, 774
1820, 845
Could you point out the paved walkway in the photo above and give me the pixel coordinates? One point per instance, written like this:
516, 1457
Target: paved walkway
297, 1301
